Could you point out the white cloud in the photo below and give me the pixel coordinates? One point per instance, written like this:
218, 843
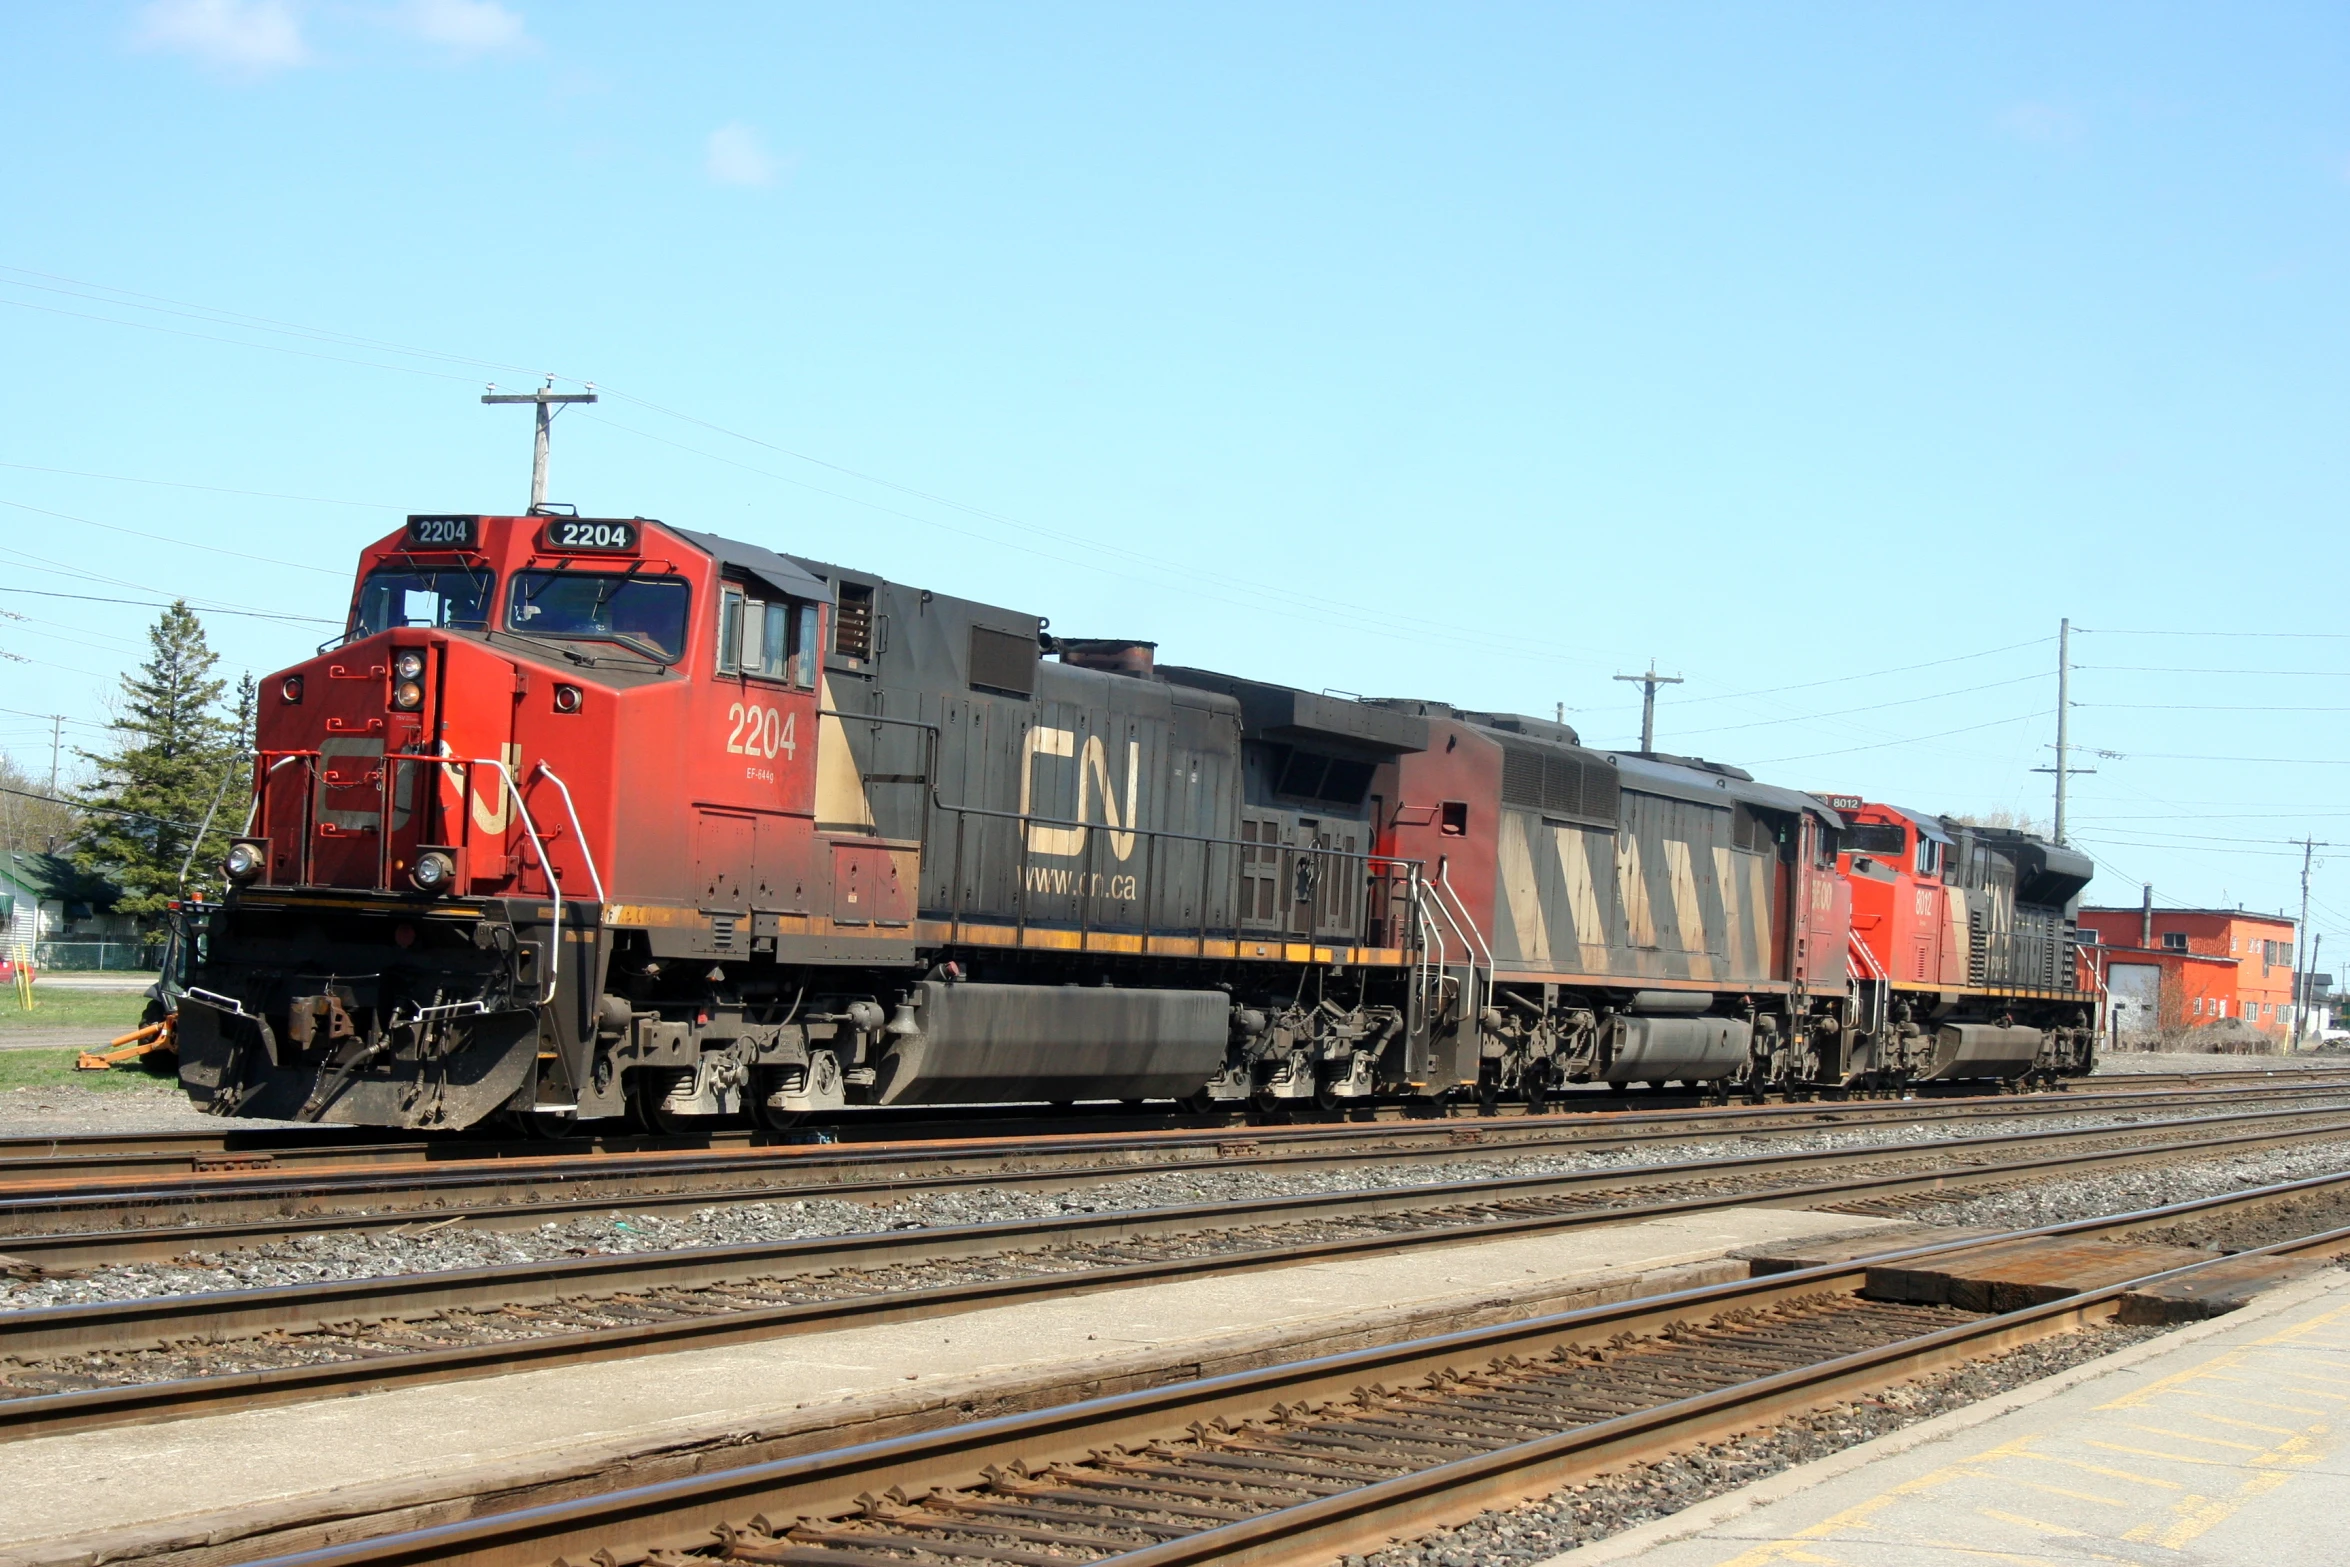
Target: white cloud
250, 36
737, 157
465, 27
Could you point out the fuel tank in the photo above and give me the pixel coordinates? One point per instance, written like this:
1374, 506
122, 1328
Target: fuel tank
1982, 1050
972, 1043
1692, 1049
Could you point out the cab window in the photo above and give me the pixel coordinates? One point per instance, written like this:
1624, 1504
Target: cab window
771, 639
452, 599
1885, 840
1929, 861
646, 615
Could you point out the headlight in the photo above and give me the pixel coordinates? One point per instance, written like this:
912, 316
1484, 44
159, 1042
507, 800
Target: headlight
567, 699
434, 872
408, 696
290, 689
408, 664
245, 861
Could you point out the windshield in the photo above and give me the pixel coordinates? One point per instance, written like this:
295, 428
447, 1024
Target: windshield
645, 614
424, 598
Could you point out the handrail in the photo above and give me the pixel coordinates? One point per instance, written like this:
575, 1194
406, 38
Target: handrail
530, 826
585, 852
1472, 941
1876, 972
513, 792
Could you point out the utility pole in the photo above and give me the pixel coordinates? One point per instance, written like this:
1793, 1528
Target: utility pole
1648, 684
56, 734
546, 399
2317, 945
2301, 965
2064, 715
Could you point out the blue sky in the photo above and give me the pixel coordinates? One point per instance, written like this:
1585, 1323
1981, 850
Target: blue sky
1826, 355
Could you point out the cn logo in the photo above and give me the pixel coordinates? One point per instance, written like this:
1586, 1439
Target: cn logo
1069, 842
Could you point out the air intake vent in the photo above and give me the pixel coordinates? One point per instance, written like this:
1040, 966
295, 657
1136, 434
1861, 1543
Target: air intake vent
722, 930
1584, 788
852, 621
1003, 661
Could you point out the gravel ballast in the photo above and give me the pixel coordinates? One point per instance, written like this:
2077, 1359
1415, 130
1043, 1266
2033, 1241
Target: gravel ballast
1535, 1531
435, 1244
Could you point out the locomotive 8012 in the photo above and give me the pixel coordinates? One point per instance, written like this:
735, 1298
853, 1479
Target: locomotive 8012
587, 818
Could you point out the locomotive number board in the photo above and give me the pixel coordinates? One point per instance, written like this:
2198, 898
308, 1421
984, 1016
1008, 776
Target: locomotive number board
597, 535
443, 533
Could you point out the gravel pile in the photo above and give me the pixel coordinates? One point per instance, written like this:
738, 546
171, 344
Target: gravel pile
1578, 1515
437, 1245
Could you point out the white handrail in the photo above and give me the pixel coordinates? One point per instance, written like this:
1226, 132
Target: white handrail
531, 827
1472, 943
585, 852
253, 811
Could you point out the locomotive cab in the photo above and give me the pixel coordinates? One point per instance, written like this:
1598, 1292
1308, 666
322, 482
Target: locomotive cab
414, 933
1963, 943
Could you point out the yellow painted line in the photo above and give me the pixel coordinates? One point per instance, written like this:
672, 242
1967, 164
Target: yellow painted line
2246, 1425
2058, 1490
2111, 1473
2209, 1441
2039, 1525
2148, 1452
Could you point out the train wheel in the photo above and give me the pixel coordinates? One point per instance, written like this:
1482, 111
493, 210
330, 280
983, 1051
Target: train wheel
648, 1103
775, 1118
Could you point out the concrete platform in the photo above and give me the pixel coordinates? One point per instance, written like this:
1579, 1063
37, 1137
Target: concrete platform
280, 1479
2219, 1445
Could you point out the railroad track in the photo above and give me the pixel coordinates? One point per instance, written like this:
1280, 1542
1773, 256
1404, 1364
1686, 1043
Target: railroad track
172, 1356
44, 1160
1298, 1462
75, 1219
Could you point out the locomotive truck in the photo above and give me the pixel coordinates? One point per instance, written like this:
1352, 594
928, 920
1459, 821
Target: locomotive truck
590, 818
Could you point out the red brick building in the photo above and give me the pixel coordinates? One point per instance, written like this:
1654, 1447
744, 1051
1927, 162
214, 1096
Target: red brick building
2171, 969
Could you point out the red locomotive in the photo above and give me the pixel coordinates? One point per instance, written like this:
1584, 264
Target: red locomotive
587, 818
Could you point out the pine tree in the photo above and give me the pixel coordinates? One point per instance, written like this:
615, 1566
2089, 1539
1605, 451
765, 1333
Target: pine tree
177, 758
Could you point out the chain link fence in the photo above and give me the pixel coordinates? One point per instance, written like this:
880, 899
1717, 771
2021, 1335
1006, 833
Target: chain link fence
104, 956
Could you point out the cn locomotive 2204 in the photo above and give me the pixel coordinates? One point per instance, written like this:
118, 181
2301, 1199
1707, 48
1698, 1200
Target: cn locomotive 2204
590, 818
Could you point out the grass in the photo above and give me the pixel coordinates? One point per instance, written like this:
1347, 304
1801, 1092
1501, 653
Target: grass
105, 1013
38, 1069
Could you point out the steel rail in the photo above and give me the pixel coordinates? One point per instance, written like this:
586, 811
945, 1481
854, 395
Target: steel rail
77, 1248
53, 1224
117, 1325
48, 1159
684, 1513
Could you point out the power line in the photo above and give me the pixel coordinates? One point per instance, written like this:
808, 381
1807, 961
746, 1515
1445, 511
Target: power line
1944, 734
2162, 669
92, 805
234, 342
1873, 707
1874, 674
2307, 636
216, 489
2205, 707
165, 538
2263, 761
